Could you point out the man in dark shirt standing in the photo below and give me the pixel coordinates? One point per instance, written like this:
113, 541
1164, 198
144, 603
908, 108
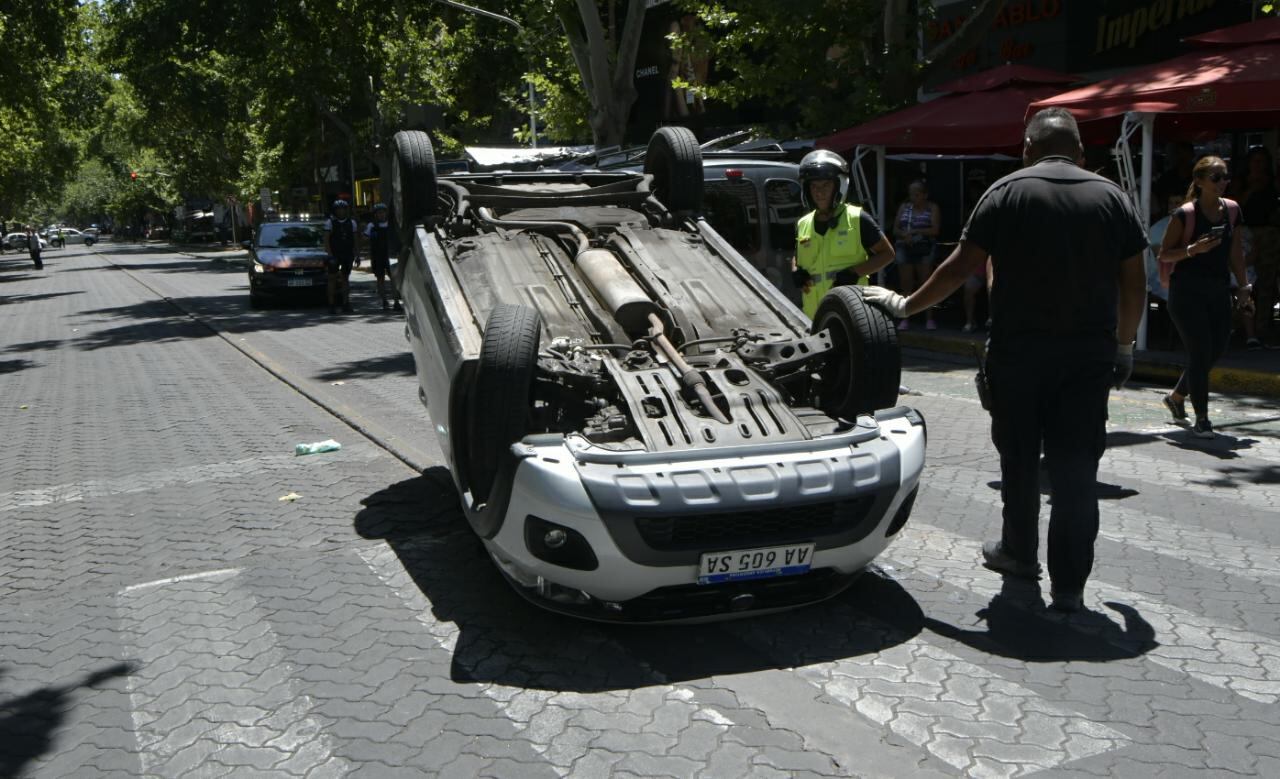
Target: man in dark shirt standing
340, 240
1066, 248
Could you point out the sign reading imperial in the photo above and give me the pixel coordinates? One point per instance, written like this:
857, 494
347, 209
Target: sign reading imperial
1081, 36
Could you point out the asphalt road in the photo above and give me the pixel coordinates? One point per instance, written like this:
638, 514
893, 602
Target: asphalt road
181, 596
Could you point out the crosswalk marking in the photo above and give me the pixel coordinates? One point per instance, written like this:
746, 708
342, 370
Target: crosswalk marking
540, 715
212, 683
74, 492
968, 717
1138, 529
1236, 660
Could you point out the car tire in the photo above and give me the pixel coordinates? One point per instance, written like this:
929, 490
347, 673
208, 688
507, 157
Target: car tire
674, 159
864, 369
413, 181
88, 242
501, 392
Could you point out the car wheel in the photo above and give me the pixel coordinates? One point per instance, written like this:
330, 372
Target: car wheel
675, 161
864, 369
256, 301
88, 242
501, 392
413, 181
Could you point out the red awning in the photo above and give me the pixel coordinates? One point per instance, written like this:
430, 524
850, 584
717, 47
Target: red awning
1226, 85
969, 123
1258, 31
1004, 75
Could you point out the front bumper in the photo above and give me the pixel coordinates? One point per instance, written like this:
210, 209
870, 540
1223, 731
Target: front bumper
289, 281
647, 519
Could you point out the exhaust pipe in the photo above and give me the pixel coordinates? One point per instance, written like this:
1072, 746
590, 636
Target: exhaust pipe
688, 376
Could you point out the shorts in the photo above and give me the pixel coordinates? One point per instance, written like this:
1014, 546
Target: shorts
914, 254
339, 266
381, 266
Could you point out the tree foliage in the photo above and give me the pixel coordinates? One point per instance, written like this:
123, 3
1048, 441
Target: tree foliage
829, 63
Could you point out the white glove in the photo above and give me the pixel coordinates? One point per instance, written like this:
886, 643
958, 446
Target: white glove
894, 304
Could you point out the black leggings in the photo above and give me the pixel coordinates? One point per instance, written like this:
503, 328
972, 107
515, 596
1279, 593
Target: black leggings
1201, 310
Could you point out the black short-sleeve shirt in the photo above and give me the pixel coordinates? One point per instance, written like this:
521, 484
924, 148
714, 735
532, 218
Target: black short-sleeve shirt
1056, 235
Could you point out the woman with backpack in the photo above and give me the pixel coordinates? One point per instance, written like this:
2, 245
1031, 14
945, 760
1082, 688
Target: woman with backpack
1201, 250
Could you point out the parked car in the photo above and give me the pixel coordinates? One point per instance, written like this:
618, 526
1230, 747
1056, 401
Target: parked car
639, 425
19, 241
62, 236
286, 259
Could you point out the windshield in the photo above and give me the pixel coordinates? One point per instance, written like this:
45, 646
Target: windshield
284, 236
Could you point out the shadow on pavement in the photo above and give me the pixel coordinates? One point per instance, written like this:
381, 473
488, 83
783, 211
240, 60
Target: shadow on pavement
33, 346
28, 723
386, 365
505, 640
6, 299
1105, 490
1019, 626
13, 366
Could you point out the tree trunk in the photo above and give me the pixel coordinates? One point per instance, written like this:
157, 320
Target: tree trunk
607, 72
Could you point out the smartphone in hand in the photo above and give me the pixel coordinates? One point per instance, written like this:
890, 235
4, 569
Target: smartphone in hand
1218, 231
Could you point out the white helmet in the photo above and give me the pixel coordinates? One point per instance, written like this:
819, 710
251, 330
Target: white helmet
820, 165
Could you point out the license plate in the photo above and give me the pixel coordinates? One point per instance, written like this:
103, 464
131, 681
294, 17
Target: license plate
299, 282
717, 567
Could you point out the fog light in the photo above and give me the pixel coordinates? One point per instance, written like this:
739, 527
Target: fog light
558, 545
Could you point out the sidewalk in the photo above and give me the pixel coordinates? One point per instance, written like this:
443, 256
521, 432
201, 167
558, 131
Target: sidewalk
1254, 373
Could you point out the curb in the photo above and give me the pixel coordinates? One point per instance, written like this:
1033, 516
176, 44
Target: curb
1221, 378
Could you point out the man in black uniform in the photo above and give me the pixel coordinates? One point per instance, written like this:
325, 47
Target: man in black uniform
380, 233
340, 239
1067, 249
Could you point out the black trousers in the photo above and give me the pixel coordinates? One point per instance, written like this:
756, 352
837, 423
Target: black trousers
1202, 313
1052, 396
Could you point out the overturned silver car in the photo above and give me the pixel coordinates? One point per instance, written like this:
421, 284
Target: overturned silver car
639, 425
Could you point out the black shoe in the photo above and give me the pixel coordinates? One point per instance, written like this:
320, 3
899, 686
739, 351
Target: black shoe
385, 306
397, 306
1203, 428
997, 559
1178, 408
1069, 601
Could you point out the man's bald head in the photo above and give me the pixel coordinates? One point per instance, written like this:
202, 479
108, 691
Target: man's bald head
1052, 132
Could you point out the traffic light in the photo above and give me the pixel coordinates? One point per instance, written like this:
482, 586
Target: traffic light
133, 175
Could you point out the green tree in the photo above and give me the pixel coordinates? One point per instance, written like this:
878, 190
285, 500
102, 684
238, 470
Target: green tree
829, 63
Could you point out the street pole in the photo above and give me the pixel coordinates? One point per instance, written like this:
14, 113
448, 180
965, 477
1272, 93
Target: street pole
533, 121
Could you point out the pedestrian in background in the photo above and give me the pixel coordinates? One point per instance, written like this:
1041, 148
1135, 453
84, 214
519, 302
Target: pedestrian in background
1202, 249
837, 243
379, 233
916, 227
3, 232
33, 247
340, 232
1068, 290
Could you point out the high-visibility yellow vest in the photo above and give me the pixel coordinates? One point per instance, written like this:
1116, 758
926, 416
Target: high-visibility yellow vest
823, 256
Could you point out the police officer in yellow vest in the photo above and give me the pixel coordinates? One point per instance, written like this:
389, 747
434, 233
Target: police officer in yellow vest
837, 243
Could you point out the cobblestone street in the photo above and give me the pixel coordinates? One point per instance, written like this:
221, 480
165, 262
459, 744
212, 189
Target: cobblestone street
182, 596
